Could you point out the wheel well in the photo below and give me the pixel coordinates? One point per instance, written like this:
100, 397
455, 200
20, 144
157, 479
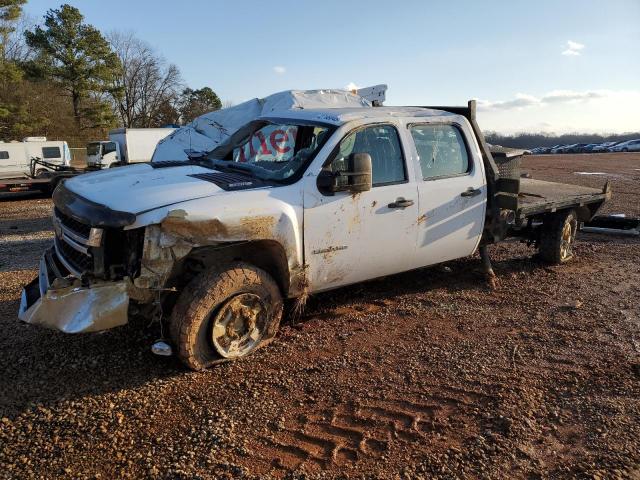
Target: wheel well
268, 255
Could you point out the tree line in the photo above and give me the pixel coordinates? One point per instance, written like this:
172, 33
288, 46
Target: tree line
65, 79
532, 140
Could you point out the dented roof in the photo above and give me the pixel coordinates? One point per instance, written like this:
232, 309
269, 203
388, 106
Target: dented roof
340, 116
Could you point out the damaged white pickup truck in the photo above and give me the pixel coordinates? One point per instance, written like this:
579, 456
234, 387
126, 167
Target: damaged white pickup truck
302, 202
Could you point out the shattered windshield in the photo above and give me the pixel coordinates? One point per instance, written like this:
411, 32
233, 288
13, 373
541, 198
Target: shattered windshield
272, 151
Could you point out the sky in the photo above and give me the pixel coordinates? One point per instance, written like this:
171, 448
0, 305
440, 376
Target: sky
551, 66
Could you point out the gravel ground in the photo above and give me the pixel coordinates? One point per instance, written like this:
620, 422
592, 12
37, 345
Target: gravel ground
427, 374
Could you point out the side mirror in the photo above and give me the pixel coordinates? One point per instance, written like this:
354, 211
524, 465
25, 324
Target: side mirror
357, 179
360, 174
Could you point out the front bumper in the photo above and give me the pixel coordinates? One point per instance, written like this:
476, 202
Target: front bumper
66, 305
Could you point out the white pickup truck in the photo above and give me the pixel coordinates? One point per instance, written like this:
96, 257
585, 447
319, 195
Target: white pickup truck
308, 201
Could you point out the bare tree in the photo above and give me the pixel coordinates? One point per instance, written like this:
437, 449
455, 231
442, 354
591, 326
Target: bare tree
15, 48
147, 89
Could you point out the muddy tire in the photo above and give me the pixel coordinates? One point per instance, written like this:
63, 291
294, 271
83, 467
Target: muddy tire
225, 313
558, 237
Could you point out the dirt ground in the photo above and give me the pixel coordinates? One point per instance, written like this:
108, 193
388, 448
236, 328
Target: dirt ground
427, 374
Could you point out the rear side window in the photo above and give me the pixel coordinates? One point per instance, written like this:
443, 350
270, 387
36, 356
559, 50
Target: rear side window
441, 150
51, 152
383, 144
4, 155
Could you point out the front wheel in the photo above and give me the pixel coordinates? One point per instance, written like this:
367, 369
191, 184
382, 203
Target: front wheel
225, 314
558, 236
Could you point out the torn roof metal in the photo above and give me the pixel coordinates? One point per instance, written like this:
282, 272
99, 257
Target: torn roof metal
334, 107
209, 130
340, 116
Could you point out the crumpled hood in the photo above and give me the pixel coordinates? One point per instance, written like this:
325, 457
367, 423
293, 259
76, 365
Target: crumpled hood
139, 188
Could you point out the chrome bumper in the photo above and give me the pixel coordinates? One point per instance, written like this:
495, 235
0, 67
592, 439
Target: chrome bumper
64, 304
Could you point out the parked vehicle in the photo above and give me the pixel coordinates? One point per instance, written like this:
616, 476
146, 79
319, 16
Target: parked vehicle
603, 147
629, 146
539, 150
589, 148
575, 148
15, 157
43, 176
126, 145
557, 149
299, 202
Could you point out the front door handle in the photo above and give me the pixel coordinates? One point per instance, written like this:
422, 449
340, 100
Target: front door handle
471, 192
400, 203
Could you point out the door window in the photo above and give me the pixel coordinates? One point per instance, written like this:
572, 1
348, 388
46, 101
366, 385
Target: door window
441, 150
50, 152
4, 155
383, 144
109, 147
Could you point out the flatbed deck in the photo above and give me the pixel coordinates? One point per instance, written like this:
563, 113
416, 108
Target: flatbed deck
539, 196
45, 183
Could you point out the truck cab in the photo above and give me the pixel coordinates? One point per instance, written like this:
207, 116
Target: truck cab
291, 204
125, 146
103, 153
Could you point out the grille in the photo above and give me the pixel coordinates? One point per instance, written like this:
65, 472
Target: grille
78, 227
70, 239
78, 261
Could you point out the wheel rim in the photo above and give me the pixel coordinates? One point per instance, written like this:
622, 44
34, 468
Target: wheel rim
239, 325
567, 241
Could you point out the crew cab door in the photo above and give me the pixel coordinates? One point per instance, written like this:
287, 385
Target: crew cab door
452, 192
354, 237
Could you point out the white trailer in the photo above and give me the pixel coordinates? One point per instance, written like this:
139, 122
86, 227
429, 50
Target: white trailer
15, 157
126, 145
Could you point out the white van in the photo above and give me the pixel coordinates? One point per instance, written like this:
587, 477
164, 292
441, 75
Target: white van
15, 157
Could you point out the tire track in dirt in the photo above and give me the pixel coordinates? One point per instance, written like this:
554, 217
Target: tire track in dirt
359, 430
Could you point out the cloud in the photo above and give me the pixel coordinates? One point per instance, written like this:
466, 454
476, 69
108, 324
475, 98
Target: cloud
564, 96
280, 70
351, 86
523, 100
573, 49
565, 111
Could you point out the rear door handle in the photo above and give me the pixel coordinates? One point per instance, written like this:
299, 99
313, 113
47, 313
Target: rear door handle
471, 192
400, 203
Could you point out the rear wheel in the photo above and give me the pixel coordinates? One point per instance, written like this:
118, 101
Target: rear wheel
225, 314
558, 237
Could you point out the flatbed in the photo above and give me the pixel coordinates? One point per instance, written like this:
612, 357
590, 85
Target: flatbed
539, 197
46, 183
